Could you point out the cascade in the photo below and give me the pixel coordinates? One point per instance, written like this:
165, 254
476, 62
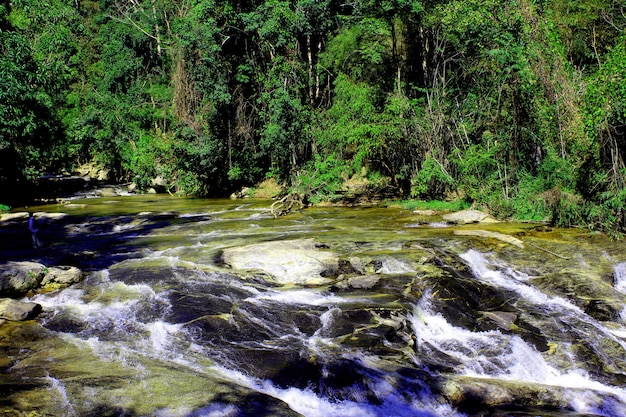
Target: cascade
620, 277
413, 322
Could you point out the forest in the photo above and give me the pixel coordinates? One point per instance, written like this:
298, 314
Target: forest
517, 107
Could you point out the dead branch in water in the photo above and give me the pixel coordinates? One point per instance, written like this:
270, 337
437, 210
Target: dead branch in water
287, 204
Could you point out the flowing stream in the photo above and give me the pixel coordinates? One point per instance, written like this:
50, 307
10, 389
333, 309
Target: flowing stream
214, 308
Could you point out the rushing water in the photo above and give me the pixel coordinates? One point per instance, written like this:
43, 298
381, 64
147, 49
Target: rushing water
409, 319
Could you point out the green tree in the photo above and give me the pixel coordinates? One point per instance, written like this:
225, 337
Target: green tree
27, 123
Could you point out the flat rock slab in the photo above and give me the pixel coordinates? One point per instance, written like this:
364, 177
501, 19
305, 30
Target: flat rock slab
23, 215
491, 235
288, 261
15, 310
13, 216
468, 216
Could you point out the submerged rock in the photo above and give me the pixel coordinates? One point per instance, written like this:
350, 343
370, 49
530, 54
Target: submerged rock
288, 261
15, 310
426, 212
468, 216
492, 235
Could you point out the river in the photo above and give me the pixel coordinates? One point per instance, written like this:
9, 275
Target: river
196, 307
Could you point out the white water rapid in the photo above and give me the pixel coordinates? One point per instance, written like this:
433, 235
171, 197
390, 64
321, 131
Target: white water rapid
206, 310
620, 277
493, 354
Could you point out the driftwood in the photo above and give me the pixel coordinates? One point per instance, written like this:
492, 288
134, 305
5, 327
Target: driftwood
287, 204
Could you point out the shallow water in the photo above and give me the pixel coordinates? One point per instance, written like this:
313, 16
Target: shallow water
412, 319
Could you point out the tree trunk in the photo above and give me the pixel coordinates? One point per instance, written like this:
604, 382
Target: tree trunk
157, 30
309, 54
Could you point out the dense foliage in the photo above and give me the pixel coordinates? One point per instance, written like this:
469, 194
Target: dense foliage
516, 106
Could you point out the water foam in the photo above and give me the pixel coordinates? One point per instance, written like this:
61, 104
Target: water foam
512, 281
311, 404
492, 354
619, 273
394, 266
161, 337
479, 354
303, 296
60, 396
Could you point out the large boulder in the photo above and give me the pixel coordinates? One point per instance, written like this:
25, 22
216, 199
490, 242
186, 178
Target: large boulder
468, 216
288, 261
476, 393
15, 310
17, 278
58, 277
13, 216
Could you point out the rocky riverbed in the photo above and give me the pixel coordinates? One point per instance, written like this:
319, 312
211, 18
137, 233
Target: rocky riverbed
71, 246
173, 307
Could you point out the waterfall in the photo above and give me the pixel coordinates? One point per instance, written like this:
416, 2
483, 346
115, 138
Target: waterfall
619, 274
486, 271
493, 354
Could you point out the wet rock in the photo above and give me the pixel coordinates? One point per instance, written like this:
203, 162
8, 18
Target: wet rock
158, 181
17, 278
468, 216
58, 277
243, 193
107, 192
458, 298
132, 187
13, 216
364, 282
349, 266
392, 265
15, 310
469, 393
50, 216
501, 319
602, 311
426, 212
289, 262
472, 392
588, 291
359, 282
